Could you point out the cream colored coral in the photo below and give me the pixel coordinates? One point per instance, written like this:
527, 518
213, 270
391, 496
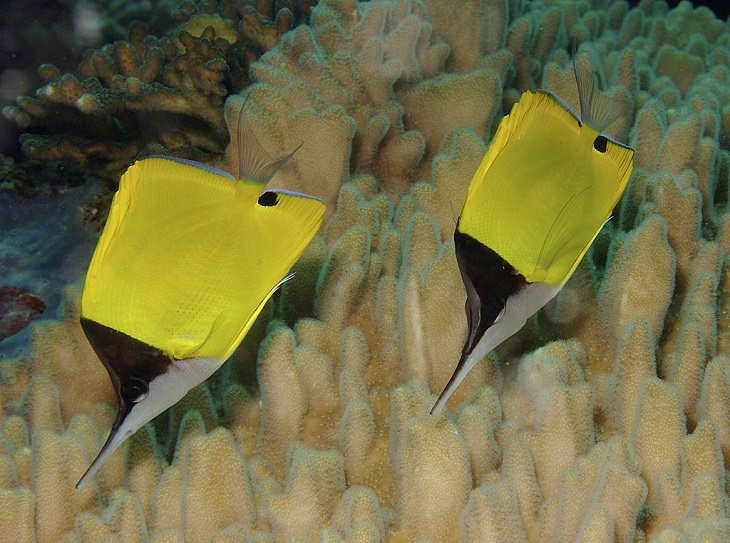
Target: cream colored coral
429, 451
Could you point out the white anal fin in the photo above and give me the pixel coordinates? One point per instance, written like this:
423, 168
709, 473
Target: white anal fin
517, 310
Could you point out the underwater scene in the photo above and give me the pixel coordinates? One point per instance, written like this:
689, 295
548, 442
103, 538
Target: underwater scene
364, 271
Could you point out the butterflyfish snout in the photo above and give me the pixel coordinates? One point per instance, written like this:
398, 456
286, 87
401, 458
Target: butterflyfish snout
546, 185
186, 262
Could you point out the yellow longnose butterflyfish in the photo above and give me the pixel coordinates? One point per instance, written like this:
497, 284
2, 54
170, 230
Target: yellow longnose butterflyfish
545, 187
187, 259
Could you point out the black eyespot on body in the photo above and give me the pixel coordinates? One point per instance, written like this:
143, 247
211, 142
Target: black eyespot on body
134, 390
268, 199
600, 144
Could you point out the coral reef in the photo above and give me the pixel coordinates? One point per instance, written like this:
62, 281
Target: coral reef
178, 90
606, 419
150, 94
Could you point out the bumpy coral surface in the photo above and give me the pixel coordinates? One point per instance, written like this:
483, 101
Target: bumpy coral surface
607, 418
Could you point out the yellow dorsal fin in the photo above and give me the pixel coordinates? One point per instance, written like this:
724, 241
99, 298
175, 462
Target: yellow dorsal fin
189, 256
544, 188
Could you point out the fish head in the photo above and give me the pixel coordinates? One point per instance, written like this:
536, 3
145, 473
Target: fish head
146, 382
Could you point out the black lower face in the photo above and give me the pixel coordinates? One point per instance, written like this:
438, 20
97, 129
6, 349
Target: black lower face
489, 280
131, 364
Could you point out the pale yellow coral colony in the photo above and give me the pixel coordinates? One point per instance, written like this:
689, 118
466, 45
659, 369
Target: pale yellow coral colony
606, 419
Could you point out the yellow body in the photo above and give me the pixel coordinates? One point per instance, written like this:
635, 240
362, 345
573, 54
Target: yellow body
545, 187
542, 191
188, 257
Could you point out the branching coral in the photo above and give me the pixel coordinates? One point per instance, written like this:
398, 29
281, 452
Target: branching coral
181, 88
149, 94
605, 419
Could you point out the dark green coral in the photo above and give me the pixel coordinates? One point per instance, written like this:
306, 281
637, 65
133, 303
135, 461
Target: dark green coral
150, 94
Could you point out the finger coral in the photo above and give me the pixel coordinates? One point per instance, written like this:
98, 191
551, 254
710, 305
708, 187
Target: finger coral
607, 418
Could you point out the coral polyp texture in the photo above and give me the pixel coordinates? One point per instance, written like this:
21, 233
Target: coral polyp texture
607, 418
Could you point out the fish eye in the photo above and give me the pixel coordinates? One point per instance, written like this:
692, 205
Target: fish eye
134, 390
600, 144
268, 199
